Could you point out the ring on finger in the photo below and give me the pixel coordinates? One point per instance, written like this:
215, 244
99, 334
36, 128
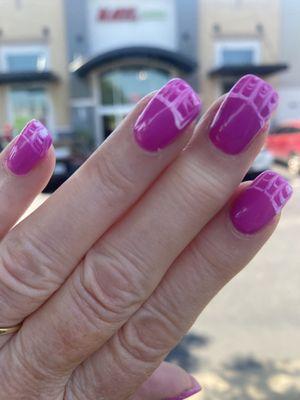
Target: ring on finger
9, 330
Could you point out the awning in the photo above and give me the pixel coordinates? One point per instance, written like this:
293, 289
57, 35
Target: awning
240, 70
176, 59
24, 77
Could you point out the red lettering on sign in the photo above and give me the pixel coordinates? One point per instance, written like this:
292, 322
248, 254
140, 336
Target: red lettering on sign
118, 14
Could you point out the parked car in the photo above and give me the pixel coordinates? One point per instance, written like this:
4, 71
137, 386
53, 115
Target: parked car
284, 144
262, 162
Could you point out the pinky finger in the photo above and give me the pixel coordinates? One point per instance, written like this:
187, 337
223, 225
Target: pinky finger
168, 382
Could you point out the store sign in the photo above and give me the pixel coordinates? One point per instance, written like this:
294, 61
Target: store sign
114, 24
117, 14
129, 14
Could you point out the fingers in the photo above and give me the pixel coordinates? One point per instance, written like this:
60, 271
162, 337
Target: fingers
218, 253
124, 267
39, 254
20, 180
168, 382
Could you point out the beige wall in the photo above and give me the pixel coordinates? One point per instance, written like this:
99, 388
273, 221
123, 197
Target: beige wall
25, 24
237, 19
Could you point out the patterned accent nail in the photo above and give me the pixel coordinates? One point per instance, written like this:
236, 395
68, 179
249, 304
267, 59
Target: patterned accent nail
188, 393
260, 202
170, 111
30, 147
244, 112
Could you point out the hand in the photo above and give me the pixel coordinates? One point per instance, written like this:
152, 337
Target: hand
111, 271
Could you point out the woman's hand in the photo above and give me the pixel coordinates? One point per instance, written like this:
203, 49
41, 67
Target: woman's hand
114, 268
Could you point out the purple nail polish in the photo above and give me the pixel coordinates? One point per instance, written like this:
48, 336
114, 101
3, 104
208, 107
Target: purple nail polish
260, 202
170, 111
188, 393
30, 147
244, 112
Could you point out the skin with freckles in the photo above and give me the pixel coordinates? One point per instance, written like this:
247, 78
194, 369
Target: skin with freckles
113, 269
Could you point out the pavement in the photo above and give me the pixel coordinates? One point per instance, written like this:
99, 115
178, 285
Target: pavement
246, 344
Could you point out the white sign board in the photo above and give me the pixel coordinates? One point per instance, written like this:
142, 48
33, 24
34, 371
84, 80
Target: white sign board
123, 23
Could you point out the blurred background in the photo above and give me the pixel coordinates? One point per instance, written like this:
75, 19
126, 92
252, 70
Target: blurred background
80, 66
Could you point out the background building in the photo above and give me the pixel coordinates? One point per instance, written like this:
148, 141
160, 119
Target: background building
289, 83
238, 37
113, 52
33, 65
120, 50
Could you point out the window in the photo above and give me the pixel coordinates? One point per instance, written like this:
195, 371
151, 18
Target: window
27, 103
237, 57
24, 59
230, 53
130, 84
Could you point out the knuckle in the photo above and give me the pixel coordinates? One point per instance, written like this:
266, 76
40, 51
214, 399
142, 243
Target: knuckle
113, 181
26, 265
109, 285
217, 266
193, 179
151, 335
29, 378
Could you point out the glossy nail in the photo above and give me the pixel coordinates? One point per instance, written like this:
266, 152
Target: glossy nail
260, 202
174, 107
244, 112
188, 393
30, 147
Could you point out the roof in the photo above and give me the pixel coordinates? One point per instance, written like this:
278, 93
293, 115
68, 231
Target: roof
176, 59
240, 70
21, 77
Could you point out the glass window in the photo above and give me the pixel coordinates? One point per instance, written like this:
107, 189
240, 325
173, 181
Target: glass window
237, 57
237, 52
128, 85
26, 62
24, 58
26, 104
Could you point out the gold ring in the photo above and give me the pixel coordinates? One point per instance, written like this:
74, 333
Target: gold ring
12, 329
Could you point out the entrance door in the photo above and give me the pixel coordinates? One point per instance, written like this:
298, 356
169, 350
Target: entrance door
111, 117
120, 89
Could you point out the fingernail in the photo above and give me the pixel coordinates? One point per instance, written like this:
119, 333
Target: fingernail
170, 111
196, 388
30, 147
260, 202
244, 112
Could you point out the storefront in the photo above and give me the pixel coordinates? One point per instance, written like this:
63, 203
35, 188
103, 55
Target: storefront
33, 67
132, 50
24, 80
